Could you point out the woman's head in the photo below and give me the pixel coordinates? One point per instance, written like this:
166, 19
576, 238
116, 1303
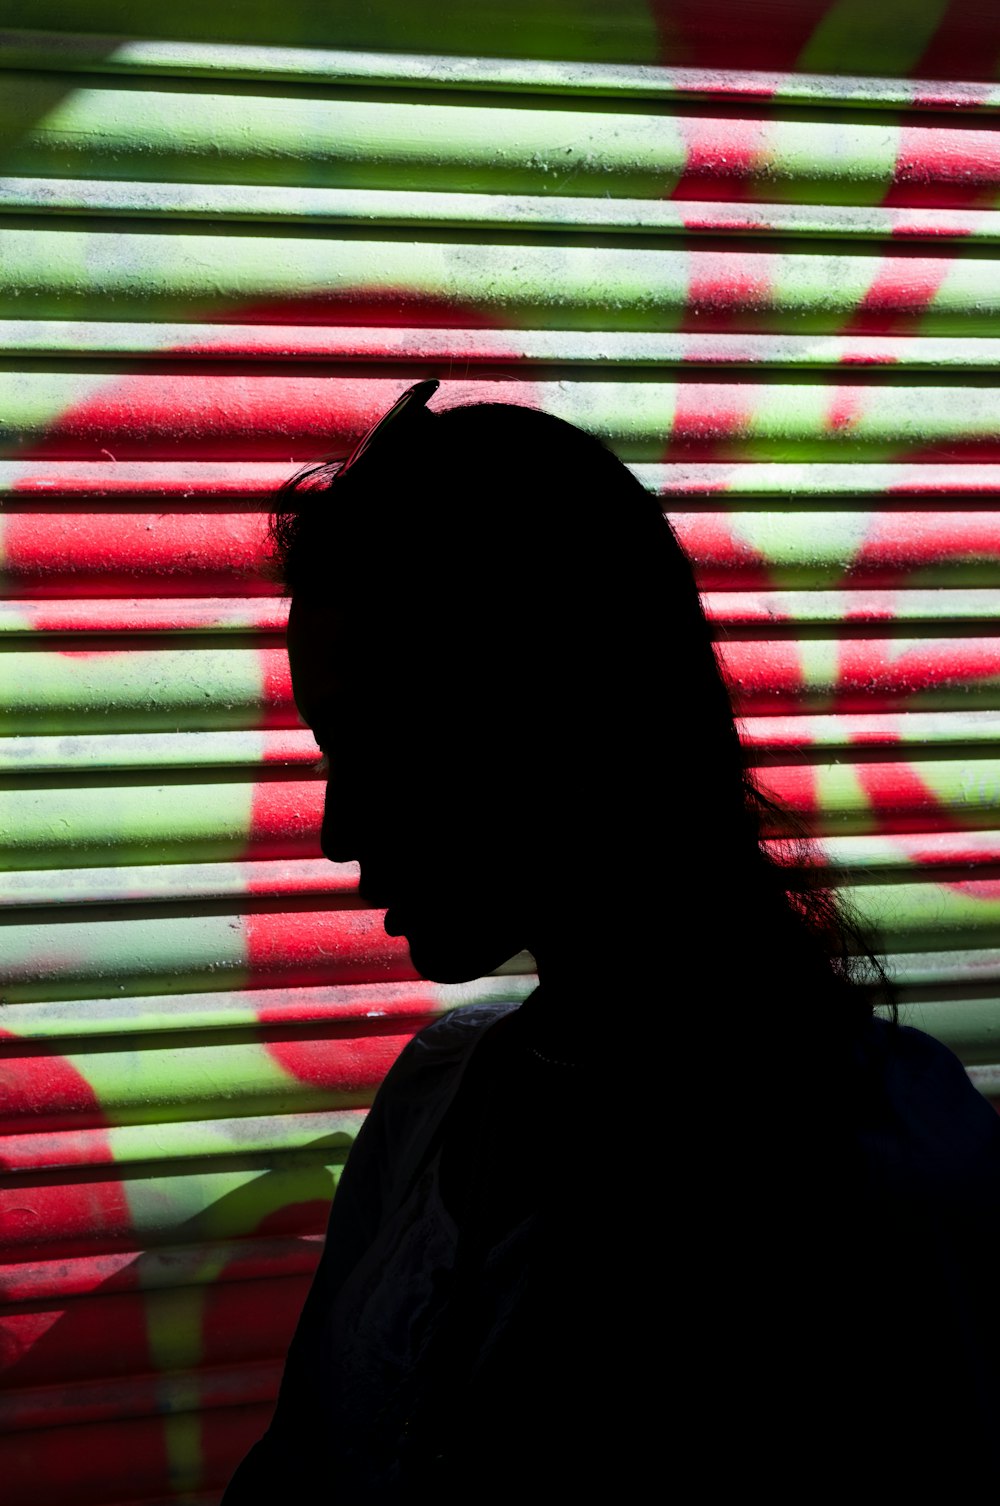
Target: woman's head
499, 644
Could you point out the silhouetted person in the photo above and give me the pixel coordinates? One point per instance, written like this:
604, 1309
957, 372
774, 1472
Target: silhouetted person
692, 1217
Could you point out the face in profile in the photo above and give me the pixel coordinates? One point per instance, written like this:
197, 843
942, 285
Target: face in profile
421, 791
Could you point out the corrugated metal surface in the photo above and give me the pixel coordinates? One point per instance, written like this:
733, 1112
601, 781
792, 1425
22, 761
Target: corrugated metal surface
225, 250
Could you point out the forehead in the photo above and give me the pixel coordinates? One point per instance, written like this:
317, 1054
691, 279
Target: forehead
317, 652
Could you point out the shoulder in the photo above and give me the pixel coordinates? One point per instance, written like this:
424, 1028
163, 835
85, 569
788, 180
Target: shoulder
938, 1125
442, 1048
421, 1084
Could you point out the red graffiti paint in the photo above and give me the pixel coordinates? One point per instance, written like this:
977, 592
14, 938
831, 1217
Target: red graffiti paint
900, 800
301, 878
45, 1218
900, 545
131, 617
903, 289
874, 674
339, 1004
41, 1090
263, 412
723, 156
217, 414
711, 420
720, 557
93, 1459
965, 44
388, 308
292, 746
149, 481
349, 1063
195, 551
306, 948
954, 166
350, 1057
111, 1272
285, 819
715, 34
863, 358
794, 788
781, 733
277, 702
763, 676
846, 408
727, 291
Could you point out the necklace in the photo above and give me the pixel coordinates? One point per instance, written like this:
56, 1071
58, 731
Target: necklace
552, 1061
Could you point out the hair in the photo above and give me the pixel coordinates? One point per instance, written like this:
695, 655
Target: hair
490, 498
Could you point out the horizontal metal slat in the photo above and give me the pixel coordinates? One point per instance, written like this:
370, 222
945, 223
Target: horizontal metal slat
842, 798
253, 1071
184, 883
193, 1264
191, 953
362, 1005
85, 272
59, 1214
295, 749
162, 1395
127, 413
90, 52
766, 610
207, 483
45, 482
53, 553
145, 1455
894, 856
93, 753
770, 610
64, 552
172, 953
498, 211
178, 882
262, 879
250, 136
150, 688
862, 674
147, 1452
206, 823
969, 1027
440, 348
246, 615
171, 1146
162, 1330
925, 916
889, 731
943, 973
740, 549
821, 481
183, 954
228, 687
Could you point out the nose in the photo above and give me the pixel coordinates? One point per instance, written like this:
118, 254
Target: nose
337, 838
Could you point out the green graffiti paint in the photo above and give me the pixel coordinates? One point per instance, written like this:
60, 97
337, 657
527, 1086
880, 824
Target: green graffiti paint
117, 691
130, 824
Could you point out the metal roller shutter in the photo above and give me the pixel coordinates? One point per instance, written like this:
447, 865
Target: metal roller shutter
224, 249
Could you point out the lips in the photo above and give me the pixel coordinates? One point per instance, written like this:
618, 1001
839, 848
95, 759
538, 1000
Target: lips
374, 889
374, 897
394, 921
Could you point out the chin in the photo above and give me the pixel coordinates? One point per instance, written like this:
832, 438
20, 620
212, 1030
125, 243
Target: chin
451, 958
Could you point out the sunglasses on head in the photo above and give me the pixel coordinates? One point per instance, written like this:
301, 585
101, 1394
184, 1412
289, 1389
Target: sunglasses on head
413, 401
